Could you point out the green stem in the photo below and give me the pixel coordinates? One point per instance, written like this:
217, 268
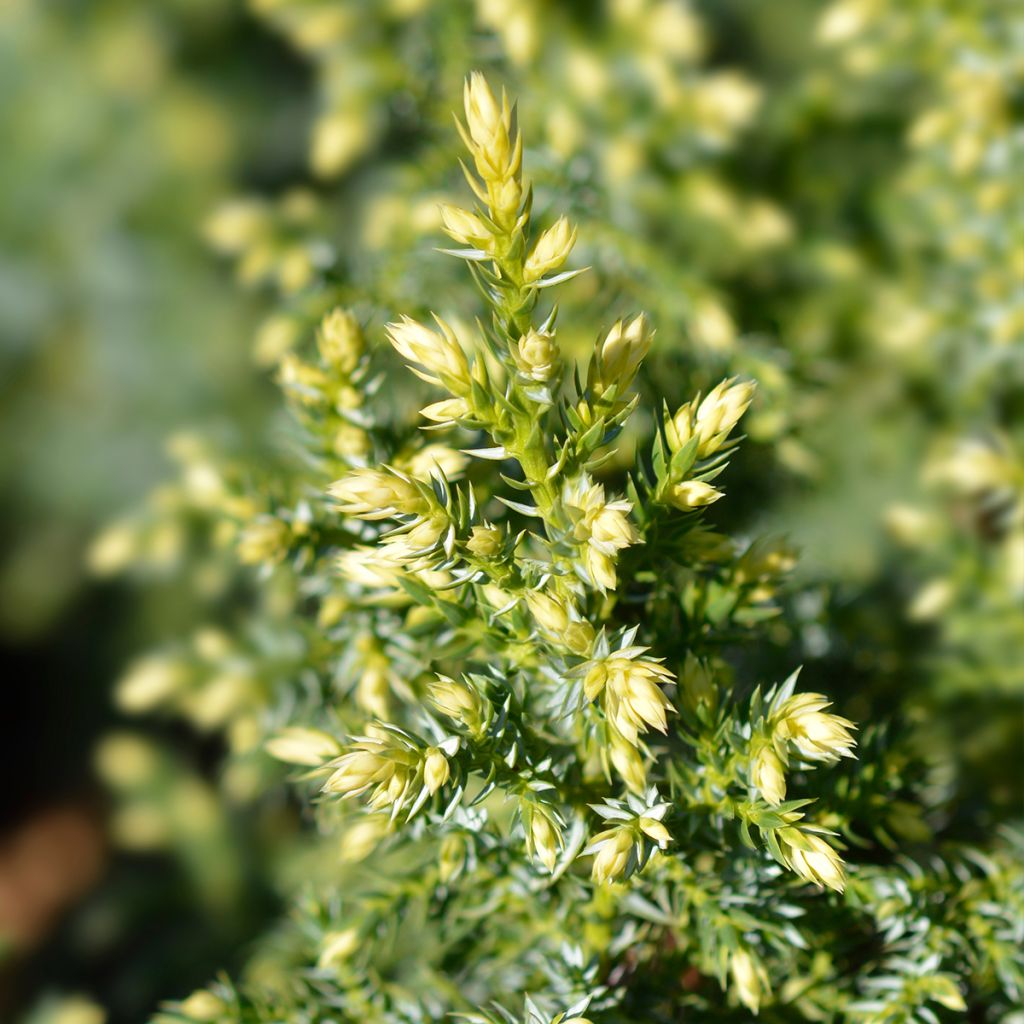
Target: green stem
535, 465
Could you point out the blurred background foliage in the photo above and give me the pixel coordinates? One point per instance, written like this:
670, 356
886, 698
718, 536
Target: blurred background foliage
818, 196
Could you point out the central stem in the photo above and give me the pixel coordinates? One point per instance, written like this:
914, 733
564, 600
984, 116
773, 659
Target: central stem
534, 461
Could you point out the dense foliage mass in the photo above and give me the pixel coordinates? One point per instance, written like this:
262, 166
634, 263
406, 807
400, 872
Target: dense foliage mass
527, 641
502, 643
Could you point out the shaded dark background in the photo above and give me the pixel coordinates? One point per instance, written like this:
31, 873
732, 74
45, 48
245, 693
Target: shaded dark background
116, 328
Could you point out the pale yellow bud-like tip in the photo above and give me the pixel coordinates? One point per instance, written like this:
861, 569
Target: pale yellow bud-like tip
628, 763
612, 856
749, 979
465, 227
203, 1006
436, 770
484, 541
545, 840
767, 775
551, 251
484, 117
549, 613
362, 839
448, 410
340, 339
439, 354
655, 830
812, 858
298, 745
618, 356
720, 412
377, 494
337, 947
536, 355
691, 494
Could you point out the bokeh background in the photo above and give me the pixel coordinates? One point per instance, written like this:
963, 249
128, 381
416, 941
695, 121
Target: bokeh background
821, 196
